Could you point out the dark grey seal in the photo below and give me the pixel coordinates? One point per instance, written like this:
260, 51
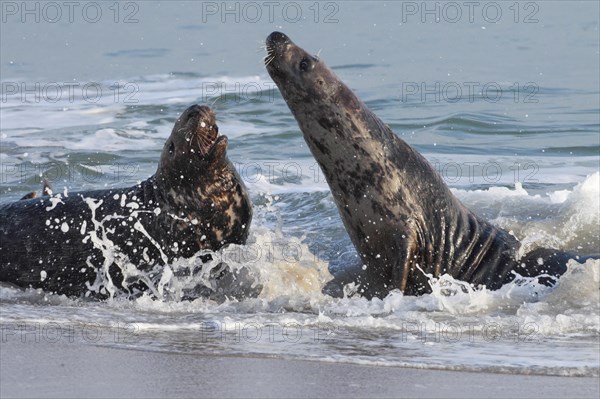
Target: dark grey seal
195, 201
401, 217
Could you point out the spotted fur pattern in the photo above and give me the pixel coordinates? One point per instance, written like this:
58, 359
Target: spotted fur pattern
195, 201
400, 215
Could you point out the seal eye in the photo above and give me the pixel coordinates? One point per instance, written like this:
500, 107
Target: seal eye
304, 64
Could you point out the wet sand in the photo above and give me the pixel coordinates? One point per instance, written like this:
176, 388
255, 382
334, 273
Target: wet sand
78, 370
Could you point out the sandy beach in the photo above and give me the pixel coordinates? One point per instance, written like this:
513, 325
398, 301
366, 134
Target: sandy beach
36, 370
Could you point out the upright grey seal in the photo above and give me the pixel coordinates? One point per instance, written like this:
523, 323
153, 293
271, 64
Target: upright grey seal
401, 217
195, 201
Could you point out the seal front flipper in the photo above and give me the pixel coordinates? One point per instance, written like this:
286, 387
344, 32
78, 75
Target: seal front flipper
375, 275
352, 273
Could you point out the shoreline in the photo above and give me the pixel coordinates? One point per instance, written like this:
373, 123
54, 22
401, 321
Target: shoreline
83, 370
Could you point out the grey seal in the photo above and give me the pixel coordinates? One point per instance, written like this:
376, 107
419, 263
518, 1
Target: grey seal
196, 201
403, 220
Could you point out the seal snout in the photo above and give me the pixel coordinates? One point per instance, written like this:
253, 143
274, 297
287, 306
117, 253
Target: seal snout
277, 43
201, 120
277, 39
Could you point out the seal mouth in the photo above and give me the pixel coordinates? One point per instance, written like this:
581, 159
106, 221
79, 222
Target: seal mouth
206, 136
201, 130
220, 141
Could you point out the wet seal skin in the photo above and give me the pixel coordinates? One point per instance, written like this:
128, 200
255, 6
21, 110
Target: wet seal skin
195, 201
401, 217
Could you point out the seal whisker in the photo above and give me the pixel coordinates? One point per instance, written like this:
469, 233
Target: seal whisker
204, 144
200, 146
188, 136
186, 132
268, 60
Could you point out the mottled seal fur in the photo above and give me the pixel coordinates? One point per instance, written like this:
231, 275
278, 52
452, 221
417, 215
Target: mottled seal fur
195, 201
401, 217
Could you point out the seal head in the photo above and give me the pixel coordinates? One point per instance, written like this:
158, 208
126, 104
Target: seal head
306, 80
198, 183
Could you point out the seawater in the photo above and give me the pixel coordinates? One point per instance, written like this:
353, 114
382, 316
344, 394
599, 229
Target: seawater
523, 153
